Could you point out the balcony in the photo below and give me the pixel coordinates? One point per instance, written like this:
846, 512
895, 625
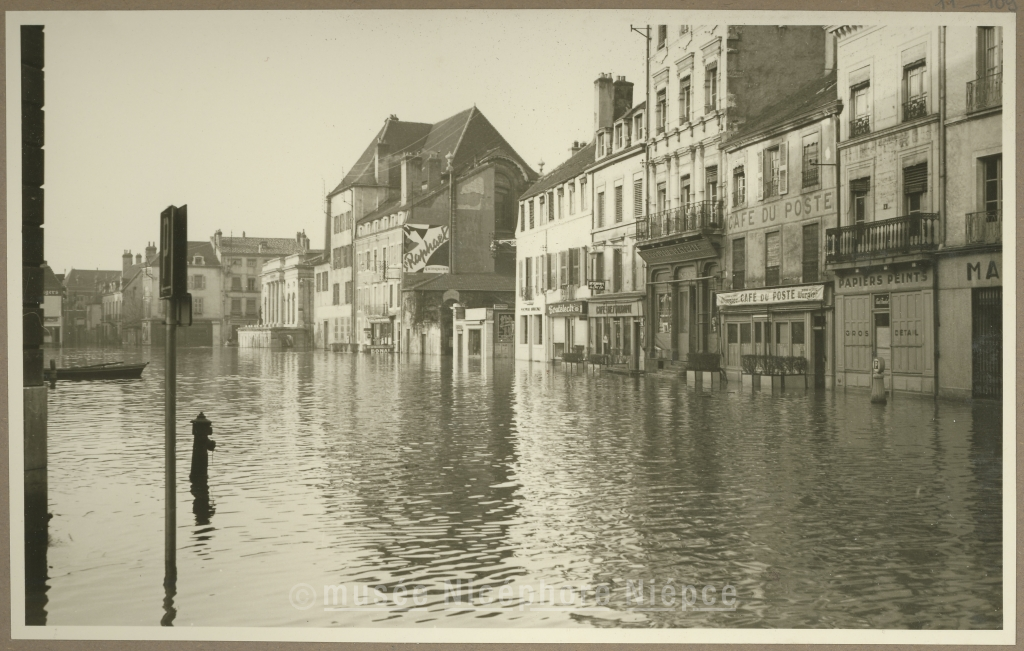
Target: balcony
860, 126
889, 237
690, 219
568, 293
985, 93
915, 107
985, 227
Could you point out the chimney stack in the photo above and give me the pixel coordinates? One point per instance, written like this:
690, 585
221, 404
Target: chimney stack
576, 147
604, 102
217, 238
830, 51
623, 91
150, 251
126, 262
138, 258
432, 171
410, 177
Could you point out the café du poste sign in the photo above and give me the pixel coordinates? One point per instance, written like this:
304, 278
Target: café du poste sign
771, 295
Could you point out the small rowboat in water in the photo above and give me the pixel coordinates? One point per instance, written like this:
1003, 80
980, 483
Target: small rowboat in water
108, 371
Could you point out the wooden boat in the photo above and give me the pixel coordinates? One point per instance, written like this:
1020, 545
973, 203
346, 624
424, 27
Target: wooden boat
107, 371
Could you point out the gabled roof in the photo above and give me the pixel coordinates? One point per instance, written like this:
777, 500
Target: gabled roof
90, 279
204, 249
576, 165
463, 282
399, 136
250, 245
50, 281
804, 102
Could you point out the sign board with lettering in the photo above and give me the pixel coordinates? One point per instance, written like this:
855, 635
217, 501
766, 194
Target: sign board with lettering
682, 252
793, 209
425, 247
568, 308
771, 295
969, 271
633, 308
595, 284
884, 281
881, 301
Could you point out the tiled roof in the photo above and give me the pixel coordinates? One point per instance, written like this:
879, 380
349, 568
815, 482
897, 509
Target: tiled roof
272, 245
571, 168
465, 282
90, 279
204, 249
50, 281
804, 101
399, 136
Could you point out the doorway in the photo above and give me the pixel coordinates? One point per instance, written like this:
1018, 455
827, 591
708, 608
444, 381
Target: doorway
987, 342
820, 351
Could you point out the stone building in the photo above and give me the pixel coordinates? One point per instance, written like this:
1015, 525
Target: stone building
287, 304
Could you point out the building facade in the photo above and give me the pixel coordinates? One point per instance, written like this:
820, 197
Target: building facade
288, 287
702, 88
776, 296
53, 308
83, 305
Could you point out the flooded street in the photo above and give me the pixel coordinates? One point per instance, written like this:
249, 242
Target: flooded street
819, 509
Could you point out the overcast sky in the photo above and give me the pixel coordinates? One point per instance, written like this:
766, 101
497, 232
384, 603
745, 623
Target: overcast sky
247, 117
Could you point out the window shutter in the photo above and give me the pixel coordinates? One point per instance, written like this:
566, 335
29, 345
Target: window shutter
522, 278
583, 266
861, 185
562, 268
760, 174
915, 179
783, 168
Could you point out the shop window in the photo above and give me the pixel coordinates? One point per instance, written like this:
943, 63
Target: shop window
797, 332
744, 333
524, 327
732, 333
538, 327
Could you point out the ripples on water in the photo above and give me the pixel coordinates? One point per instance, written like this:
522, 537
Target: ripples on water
821, 509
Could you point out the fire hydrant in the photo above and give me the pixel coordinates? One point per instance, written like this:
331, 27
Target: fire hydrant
878, 381
202, 428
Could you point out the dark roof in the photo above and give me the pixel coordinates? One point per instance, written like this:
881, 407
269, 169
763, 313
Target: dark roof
804, 101
571, 168
631, 112
398, 135
464, 282
90, 279
272, 245
204, 249
50, 281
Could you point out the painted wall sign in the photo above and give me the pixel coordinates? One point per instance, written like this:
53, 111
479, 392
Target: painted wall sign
506, 331
883, 280
681, 252
530, 309
970, 271
806, 206
424, 246
974, 270
569, 308
769, 296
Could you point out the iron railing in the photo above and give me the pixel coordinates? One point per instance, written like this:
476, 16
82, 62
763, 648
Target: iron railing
739, 196
809, 175
915, 107
984, 93
985, 227
860, 126
568, 292
694, 218
917, 232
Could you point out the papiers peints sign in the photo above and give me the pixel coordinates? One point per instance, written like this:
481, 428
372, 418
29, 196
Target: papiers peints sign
771, 295
425, 246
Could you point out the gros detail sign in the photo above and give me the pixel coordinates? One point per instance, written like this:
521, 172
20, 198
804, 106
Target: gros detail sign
771, 295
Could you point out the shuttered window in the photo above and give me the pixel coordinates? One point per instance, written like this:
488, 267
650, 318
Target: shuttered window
739, 262
638, 198
772, 257
618, 204
563, 277
861, 185
915, 179
810, 253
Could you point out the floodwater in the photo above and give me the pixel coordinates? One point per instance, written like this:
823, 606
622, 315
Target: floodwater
398, 477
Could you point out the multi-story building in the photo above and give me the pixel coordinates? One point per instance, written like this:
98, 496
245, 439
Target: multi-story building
705, 82
83, 306
617, 273
970, 262
776, 296
53, 308
333, 290
242, 259
432, 214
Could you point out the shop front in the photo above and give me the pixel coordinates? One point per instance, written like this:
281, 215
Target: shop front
886, 312
382, 333
779, 321
616, 328
568, 326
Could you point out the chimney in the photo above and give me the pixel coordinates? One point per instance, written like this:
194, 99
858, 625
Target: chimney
623, 91
576, 147
433, 171
138, 258
305, 240
150, 251
410, 177
604, 98
216, 238
243, 233
126, 262
830, 51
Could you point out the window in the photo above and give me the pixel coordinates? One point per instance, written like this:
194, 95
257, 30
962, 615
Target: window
523, 328
599, 266
572, 198
250, 284
250, 306
810, 167
711, 184
551, 206
992, 186
549, 270
684, 190
583, 193
619, 140
860, 114
563, 268
600, 209
561, 202
198, 260
616, 270
236, 284
336, 295
662, 197
990, 56
531, 213
796, 329
772, 256
773, 175
198, 281
236, 306
915, 103
638, 127
618, 204
811, 252
732, 331
251, 263
660, 109
236, 262
915, 184
744, 333
739, 187
638, 198
662, 35
538, 329
739, 263
685, 98
859, 189
197, 306
711, 88
543, 208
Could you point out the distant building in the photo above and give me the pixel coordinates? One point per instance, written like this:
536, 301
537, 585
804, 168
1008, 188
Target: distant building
287, 304
83, 305
53, 308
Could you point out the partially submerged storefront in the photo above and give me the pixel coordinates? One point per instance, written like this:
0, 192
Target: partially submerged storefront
568, 326
886, 312
791, 321
616, 328
484, 332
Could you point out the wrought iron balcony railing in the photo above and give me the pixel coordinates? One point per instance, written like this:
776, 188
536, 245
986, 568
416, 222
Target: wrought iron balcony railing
915, 107
860, 126
907, 234
568, 292
985, 227
984, 93
698, 217
809, 175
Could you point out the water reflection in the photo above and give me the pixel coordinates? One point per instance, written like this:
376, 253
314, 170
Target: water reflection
820, 509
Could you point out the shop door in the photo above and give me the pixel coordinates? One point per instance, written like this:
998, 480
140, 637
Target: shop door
782, 347
732, 343
474, 342
663, 326
819, 352
683, 323
762, 334
987, 342
883, 338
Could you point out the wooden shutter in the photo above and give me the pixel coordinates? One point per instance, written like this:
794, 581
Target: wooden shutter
915, 179
562, 275
783, 168
583, 266
760, 174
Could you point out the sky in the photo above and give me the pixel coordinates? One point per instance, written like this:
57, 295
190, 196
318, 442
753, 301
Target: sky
247, 117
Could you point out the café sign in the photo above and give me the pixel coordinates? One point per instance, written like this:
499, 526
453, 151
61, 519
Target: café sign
769, 296
616, 309
808, 206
